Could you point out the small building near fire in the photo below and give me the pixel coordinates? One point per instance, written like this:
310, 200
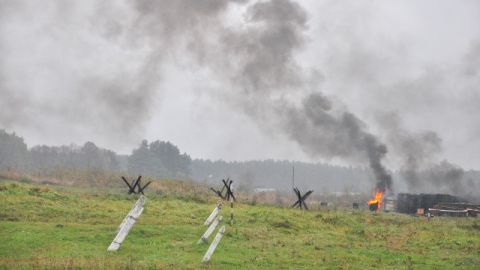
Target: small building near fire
410, 203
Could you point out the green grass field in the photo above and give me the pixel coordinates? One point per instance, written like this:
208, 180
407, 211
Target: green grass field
48, 227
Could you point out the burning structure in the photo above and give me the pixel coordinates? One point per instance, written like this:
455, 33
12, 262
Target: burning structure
423, 204
375, 203
381, 202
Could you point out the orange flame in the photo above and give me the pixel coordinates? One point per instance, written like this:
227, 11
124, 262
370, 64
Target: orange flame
377, 199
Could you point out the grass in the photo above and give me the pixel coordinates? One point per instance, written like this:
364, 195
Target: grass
48, 227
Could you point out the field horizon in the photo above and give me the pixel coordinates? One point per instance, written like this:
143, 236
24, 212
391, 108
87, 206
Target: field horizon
57, 227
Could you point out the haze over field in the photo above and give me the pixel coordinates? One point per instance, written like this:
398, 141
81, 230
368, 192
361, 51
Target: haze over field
365, 83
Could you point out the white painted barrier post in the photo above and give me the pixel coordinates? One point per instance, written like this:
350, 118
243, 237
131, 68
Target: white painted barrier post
137, 205
214, 244
127, 224
213, 215
210, 230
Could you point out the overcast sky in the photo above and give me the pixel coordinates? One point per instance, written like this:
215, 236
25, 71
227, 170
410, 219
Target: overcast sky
116, 72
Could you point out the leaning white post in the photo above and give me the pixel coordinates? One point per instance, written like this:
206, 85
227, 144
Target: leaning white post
137, 205
213, 215
214, 244
210, 229
127, 224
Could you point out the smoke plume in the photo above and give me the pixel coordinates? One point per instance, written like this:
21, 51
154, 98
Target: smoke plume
267, 56
321, 132
262, 69
251, 47
415, 151
419, 154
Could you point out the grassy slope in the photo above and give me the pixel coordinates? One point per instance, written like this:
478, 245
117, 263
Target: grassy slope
48, 227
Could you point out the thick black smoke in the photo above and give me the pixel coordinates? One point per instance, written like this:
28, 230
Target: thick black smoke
415, 151
419, 154
258, 63
253, 58
322, 132
267, 52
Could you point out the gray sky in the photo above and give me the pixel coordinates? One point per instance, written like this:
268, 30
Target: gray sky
115, 72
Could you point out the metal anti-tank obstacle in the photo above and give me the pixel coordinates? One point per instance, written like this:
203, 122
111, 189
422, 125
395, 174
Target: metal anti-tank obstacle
300, 203
136, 184
133, 185
227, 187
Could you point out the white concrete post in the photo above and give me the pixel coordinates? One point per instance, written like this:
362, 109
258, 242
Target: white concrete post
214, 244
210, 230
127, 224
213, 215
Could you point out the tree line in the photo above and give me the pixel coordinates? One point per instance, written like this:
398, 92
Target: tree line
161, 160
157, 159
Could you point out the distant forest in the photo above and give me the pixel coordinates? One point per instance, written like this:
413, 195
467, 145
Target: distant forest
163, 160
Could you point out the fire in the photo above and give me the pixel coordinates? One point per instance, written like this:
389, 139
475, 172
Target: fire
376, 202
